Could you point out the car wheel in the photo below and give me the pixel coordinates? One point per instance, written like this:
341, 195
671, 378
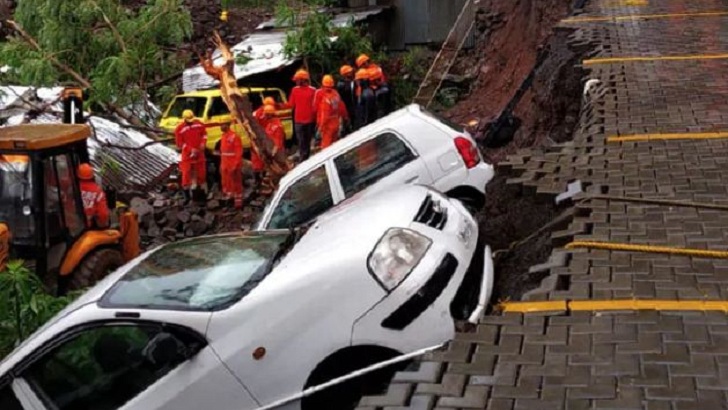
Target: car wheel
346, 395
95, 267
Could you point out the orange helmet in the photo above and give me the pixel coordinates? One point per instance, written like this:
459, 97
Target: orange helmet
346, 70
269, 109
375, 73
269, 101
328, 81
361, 60
85, 172
301, 75
362, 74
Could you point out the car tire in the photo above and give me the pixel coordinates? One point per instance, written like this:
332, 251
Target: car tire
95, 266
347, 395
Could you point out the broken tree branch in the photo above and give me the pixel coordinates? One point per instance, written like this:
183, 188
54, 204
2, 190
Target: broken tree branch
275, 159
71, 72
111, 26
63, 67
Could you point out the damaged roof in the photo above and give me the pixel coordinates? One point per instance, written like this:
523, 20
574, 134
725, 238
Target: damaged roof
117, 151
265, 50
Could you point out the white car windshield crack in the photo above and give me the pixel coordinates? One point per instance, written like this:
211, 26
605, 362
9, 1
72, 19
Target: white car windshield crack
200, 275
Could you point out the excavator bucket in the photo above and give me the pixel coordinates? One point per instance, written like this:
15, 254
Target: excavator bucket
129, 225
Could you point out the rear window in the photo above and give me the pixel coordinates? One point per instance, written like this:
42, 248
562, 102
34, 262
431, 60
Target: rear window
200, 275
196, 104
457, 127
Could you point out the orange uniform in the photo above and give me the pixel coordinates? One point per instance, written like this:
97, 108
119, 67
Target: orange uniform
330, 111
274, 130
94, 204
191, 138
231, 165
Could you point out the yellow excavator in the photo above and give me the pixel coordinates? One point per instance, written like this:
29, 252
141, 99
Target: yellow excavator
42, 220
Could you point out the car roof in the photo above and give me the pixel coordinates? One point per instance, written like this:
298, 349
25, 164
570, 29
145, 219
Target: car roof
214, 92
41, 136
351, 140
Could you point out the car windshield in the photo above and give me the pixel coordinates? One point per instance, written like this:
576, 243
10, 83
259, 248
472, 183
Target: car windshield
15, 196
454, 126
196, 104
202, 275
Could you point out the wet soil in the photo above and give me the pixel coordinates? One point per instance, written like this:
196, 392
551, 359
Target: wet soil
532, 72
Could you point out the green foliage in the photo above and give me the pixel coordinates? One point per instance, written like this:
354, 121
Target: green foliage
413, 66
120, 57
24, 305
312, 36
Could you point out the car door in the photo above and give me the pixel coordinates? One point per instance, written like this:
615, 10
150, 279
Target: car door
129, 365
9, 400
303, 200
379, 163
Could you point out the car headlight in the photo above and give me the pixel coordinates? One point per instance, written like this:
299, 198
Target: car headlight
396, 255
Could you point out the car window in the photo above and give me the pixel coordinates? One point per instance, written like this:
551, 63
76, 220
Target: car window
8, 401
367, 163
303, 201
218, 107
196, 104
100, 368
179, 276
255, 98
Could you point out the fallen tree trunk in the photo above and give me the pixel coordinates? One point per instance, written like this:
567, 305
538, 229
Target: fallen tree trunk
275, 160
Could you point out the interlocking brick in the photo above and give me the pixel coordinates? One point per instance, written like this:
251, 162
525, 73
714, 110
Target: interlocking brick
475, 397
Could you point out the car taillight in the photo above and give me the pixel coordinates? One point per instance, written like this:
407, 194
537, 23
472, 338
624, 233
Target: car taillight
468, 151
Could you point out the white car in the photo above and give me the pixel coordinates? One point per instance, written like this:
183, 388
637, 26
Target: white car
408, 146
246, 320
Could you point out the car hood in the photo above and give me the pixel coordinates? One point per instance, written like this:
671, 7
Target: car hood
355, 226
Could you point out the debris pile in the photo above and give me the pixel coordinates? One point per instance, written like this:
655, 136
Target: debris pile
126, 159
167, 217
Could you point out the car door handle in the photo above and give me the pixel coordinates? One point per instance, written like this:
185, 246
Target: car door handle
411, 180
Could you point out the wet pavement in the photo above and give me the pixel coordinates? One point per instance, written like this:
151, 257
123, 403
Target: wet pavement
599, 358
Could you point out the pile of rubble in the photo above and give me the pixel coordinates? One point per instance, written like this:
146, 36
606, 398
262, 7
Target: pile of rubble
167, 217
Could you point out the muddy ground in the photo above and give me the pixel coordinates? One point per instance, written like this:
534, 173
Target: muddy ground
519, 42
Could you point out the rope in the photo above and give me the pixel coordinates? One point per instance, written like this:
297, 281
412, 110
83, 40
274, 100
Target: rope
613, 305
613, 246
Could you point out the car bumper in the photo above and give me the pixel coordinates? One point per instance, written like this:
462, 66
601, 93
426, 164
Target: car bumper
452, 282
479, 176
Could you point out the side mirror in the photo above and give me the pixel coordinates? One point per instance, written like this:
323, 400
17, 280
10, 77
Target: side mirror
165, 349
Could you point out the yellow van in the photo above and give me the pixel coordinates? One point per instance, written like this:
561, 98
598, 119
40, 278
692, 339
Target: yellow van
209, 108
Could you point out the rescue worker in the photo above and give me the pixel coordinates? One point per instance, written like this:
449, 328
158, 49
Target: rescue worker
363, 61
381, 90
93, 197
274, 127
330, 112
191, 136
366, 102
347, 91
231, 165
304, 117
258, 114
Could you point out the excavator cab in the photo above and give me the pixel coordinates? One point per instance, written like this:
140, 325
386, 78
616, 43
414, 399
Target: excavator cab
42, 220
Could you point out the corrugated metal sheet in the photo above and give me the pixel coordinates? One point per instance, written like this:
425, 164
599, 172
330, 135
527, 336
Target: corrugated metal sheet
133, 169
265, 48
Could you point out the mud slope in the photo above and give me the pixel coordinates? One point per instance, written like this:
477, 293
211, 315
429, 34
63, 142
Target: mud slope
509, 36
533, 74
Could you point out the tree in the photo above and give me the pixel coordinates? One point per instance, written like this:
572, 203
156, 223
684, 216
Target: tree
98, 44
313, 36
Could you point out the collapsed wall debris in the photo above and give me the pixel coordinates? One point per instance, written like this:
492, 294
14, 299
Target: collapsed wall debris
125, 159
